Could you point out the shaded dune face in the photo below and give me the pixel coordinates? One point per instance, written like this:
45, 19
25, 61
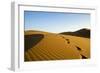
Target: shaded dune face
32, 40
42, 46
80, 33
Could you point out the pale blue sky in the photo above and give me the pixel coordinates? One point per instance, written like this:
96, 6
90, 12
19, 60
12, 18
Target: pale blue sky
55, 21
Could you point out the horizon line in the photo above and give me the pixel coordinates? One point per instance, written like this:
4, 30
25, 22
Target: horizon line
56, 32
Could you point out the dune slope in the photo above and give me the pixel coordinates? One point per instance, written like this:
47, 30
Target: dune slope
50, 46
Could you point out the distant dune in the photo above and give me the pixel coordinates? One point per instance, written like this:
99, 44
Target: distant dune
81, 33
42, 46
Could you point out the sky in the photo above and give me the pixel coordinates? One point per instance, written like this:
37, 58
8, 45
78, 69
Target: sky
55, 22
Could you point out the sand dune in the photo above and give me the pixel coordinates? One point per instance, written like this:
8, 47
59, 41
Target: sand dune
40, 46
81, 33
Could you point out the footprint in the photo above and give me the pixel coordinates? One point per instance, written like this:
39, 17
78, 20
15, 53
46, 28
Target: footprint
83, 57
78, 48
63, 37
67, 41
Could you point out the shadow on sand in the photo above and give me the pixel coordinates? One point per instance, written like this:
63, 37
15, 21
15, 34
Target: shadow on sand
32, 40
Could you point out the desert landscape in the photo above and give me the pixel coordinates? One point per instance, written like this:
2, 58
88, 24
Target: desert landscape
56, 36
43, 46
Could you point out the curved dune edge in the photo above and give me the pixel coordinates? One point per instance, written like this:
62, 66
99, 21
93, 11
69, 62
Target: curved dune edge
32, 40
57, 47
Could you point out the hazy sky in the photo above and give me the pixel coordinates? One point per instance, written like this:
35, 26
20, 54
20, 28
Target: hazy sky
55, 21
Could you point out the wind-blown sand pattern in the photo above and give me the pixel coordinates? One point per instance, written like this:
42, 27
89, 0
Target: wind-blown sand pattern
42, 46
